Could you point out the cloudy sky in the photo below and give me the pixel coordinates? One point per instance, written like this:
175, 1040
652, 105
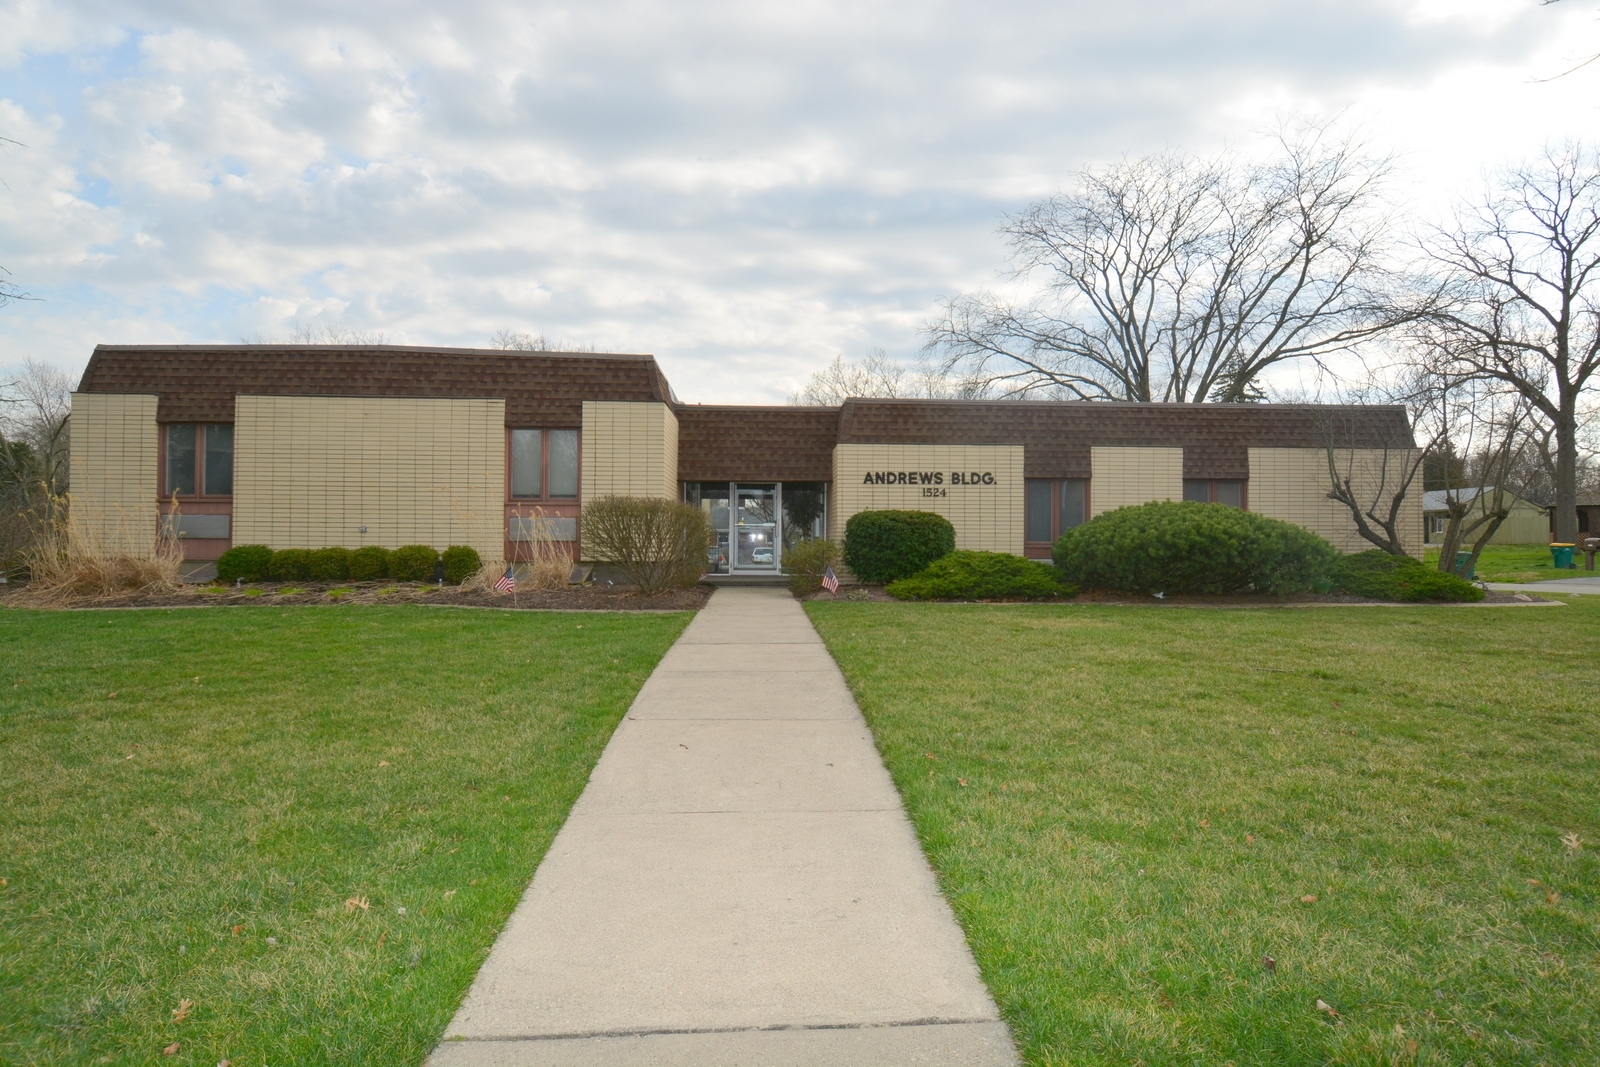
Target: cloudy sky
745, 190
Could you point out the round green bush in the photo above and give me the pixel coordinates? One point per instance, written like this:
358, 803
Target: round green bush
330, 565
290, 565
460, 563
1186, 547
807, 562
244, 563
369, 564
982, 576
883, 546
413, 563
1377, 574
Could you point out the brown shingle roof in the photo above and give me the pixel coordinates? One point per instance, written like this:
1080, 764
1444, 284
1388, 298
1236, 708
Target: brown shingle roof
730, 444
1058, 435
197, 383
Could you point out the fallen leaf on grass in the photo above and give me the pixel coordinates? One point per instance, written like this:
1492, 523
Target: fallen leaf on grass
448, 893
1323, 1005
1205, 824
224, 1063
1552, 897
357, 902
181, 1012
929, 755
237, 930
963, 781
112, 696
1572, 841
1249, 839
382, 938
172, 1049
1270, 964
1309, 898
383, 763
1534, 881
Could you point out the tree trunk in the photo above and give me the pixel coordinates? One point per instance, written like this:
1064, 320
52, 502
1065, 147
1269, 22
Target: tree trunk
1566, 524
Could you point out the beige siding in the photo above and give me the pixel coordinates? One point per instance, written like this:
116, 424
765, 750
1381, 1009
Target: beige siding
986, 517
115, 467
1124, 476
309, 472
1292, 484
629, 449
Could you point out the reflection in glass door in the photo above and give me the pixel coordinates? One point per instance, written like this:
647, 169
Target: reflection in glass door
755, 527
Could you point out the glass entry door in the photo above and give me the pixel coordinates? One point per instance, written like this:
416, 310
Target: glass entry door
755, 528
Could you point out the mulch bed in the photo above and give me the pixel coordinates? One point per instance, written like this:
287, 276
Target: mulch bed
278, 594
1300, 600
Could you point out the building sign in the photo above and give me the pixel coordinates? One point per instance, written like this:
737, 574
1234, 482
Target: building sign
928, 478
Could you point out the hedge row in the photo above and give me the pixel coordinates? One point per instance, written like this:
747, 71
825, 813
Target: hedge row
409, 563
1378, 575
982, 576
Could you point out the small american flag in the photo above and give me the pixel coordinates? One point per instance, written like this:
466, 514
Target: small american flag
506, 583
830, 581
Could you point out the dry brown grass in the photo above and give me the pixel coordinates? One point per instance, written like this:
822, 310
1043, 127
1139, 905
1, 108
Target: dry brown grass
71, 563
548, 566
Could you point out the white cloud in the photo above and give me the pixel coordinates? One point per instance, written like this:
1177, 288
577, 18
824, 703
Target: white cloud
743, 189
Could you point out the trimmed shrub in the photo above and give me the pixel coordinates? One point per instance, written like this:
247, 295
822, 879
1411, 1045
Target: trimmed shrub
1377, 574
982, 576
460, 563
249, 563
659, 544
369, 564
882, 546
807, 562
330, 565
413, 563
290, 565
1186, 547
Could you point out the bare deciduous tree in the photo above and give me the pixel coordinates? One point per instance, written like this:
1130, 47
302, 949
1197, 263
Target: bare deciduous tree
34, 428
1522, 273
1175, 279
879, 376
534, 342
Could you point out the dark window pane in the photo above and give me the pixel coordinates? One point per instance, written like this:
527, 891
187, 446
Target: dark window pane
1230, 493
219, 460
563, 462
804, 505
1073, 496
1198, 491
525, 463
1038, 515
180, 460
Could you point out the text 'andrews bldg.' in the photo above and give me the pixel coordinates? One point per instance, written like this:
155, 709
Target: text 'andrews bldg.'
297, 446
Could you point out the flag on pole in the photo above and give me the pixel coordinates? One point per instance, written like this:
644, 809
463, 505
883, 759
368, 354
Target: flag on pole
830, 581
506, 583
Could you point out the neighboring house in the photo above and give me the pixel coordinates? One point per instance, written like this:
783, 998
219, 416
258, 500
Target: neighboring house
315, 446
1588, 517
1527, 523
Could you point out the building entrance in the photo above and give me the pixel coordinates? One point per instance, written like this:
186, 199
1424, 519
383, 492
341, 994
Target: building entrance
752, 523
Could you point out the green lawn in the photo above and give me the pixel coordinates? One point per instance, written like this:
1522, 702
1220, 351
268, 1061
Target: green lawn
1517, 563
307, 823
1129, 808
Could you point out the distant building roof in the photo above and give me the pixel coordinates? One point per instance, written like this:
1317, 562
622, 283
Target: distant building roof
1438, 499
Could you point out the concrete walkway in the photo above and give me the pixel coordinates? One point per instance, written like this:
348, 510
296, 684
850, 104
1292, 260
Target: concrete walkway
1554, 585
738, 884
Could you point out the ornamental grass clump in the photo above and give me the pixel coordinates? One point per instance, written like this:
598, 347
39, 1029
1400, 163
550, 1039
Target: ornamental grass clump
982, 576
659, 544
807, 562
882, 546
413, 563
1186, 547
69, 562
1382, 576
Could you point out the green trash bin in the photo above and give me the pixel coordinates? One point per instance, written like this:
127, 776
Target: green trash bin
1464, 567
1561, 557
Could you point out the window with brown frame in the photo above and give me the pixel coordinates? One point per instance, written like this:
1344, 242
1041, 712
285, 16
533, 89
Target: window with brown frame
1214, 491
1053, 506
199, 459
544, 464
